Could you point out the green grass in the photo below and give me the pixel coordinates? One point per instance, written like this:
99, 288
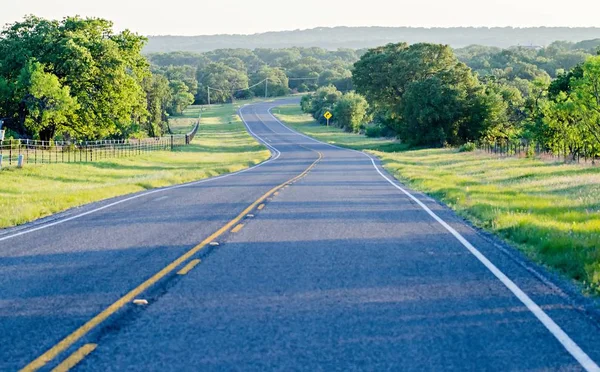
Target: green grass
222, 145
292, 115
549, 210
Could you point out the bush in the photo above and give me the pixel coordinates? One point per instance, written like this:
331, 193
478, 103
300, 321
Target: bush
531, 150
468, 147
375, 131
10, 134
350, 112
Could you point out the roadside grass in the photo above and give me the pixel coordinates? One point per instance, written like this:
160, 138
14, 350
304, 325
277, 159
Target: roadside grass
222, 145
551, 211
293, 116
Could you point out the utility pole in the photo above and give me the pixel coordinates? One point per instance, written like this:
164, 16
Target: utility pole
266, 87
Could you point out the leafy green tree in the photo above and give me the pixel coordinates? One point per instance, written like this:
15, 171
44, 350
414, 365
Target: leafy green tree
223, 80
185, 74
181, 98
428, 96
46, 106
159, 98
278, 84
586, 98
564, 132
350, 112
431, 111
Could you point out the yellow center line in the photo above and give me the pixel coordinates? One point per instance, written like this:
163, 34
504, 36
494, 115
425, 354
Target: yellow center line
75, 358
187, 268
237, 228
260, 207
80, 332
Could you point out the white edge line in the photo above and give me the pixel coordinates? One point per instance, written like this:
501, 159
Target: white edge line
586, 362
274, 156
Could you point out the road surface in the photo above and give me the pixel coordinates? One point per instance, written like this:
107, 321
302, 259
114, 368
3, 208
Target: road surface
314, 260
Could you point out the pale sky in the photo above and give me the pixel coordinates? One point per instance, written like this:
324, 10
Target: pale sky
207, 17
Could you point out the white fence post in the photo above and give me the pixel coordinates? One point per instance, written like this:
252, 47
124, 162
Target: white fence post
20, 160
0, 161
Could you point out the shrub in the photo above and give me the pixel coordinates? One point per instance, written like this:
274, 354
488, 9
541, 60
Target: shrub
468, 147
375, 131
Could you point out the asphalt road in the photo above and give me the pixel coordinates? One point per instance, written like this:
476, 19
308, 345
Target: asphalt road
333, 265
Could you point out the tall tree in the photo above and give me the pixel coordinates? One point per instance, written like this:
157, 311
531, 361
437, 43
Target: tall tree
427, 95
586, 97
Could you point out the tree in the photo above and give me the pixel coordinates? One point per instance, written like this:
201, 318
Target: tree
185, 74
562, 119
181, 98
431, 111
350, 112
45, 105
223, 80
425, 93
277, 85
586, 98
159, 98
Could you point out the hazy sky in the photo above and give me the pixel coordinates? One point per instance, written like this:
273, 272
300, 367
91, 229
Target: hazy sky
202, 17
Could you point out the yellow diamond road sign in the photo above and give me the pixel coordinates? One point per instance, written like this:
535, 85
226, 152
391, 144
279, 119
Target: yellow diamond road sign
327, 115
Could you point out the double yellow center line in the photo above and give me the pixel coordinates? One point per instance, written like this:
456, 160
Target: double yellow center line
79, 333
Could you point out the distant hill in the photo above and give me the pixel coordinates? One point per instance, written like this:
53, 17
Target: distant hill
366, 37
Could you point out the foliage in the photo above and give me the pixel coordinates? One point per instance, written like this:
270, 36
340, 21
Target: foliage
224, 83
76, 78
323, 100
468, 147
46, 104
427, 96
278, 82
350, 112
289, 69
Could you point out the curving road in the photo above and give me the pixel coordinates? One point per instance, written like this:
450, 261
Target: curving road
323, 262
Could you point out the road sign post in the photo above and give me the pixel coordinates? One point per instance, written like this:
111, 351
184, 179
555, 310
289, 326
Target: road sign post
327, 116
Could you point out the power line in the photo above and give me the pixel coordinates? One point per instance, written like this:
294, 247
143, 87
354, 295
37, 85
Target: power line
315, 78
266, 81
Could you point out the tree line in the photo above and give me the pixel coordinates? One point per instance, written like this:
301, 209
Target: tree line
76, 78
430, 95
241, 73
369, 37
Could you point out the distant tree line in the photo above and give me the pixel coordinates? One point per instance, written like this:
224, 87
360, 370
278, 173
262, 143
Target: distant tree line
333, 38
228, 74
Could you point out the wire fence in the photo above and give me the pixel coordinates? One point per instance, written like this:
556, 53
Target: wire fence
24, 151
584, 154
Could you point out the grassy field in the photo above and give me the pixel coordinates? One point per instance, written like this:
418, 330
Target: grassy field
222, 145
549, 210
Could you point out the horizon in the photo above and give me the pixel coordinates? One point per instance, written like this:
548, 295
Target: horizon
390, 27
235, 17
